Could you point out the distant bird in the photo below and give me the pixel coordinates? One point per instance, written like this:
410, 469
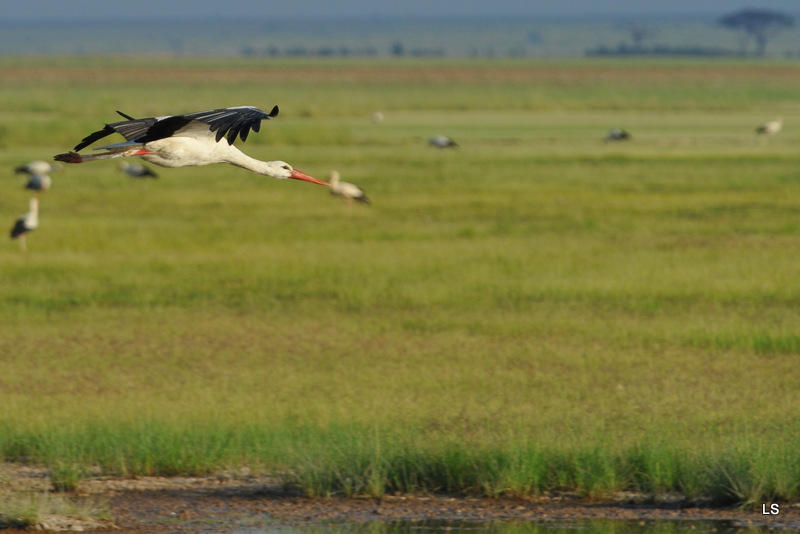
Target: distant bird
442, 141
349, 192
617, 134
377, 117
189, 139
26, 223
38, 167
137, 170
771, 127
39, 183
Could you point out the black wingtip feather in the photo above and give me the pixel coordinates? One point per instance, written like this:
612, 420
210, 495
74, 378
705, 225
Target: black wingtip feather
274, 112
91, 138
126, 115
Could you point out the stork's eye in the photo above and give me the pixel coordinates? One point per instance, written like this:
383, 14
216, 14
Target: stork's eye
286, 167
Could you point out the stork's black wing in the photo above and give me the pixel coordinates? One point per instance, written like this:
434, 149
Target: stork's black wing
19, 228
130, 129
230, 122
233, 122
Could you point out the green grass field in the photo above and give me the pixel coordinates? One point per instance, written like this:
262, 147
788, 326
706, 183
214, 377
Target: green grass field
535, 310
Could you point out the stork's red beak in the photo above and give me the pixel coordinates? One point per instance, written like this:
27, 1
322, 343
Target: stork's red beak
299, 175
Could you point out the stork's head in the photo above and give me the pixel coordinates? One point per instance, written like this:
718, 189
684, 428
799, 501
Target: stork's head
282, 170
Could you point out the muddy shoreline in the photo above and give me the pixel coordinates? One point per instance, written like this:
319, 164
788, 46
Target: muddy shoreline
179, 512
196, 505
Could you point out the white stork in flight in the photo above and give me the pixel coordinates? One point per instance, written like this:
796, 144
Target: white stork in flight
189, 139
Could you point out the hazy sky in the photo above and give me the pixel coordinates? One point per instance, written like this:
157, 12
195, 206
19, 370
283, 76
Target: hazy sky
14, 10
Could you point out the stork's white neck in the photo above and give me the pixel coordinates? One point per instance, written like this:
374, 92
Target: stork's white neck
32, 217
234, 156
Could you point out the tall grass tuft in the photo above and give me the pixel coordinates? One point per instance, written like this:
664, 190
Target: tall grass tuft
353, 460
28, 510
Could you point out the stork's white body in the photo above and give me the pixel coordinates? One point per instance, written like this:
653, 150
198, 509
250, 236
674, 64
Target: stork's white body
193, 139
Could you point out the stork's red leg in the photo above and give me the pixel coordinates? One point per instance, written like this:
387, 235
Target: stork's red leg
74, 157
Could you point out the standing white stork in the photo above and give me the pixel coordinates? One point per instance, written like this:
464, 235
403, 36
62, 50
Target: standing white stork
617, 134
771, 127
38, 174
442, 141
38, 167
39, 183
137, 170
26, 223
349, 192
190, 139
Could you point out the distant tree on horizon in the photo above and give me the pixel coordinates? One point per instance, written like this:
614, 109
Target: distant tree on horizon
759, 24
639, 33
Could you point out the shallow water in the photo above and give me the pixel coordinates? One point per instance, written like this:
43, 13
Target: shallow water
578, 526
